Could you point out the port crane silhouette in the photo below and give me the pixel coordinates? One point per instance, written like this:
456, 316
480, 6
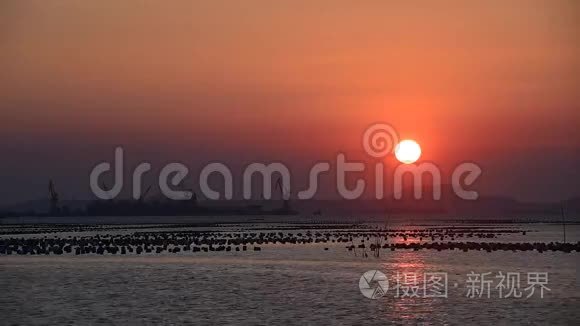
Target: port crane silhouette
53, 197
284, 193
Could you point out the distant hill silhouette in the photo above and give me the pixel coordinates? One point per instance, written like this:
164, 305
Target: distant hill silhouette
449, 205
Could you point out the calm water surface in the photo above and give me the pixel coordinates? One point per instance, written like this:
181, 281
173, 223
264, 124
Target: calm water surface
283, 285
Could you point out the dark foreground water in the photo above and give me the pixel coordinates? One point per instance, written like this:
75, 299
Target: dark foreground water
283, 285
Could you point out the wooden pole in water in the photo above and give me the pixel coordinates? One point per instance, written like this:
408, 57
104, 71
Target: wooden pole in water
563, 222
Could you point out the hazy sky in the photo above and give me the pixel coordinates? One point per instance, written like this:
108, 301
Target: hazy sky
494, 82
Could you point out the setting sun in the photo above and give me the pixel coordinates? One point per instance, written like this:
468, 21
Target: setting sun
408, 151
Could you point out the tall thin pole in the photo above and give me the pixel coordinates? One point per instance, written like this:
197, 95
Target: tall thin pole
563, 222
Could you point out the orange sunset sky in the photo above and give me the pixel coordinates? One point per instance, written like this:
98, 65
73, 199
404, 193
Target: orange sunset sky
495, 81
